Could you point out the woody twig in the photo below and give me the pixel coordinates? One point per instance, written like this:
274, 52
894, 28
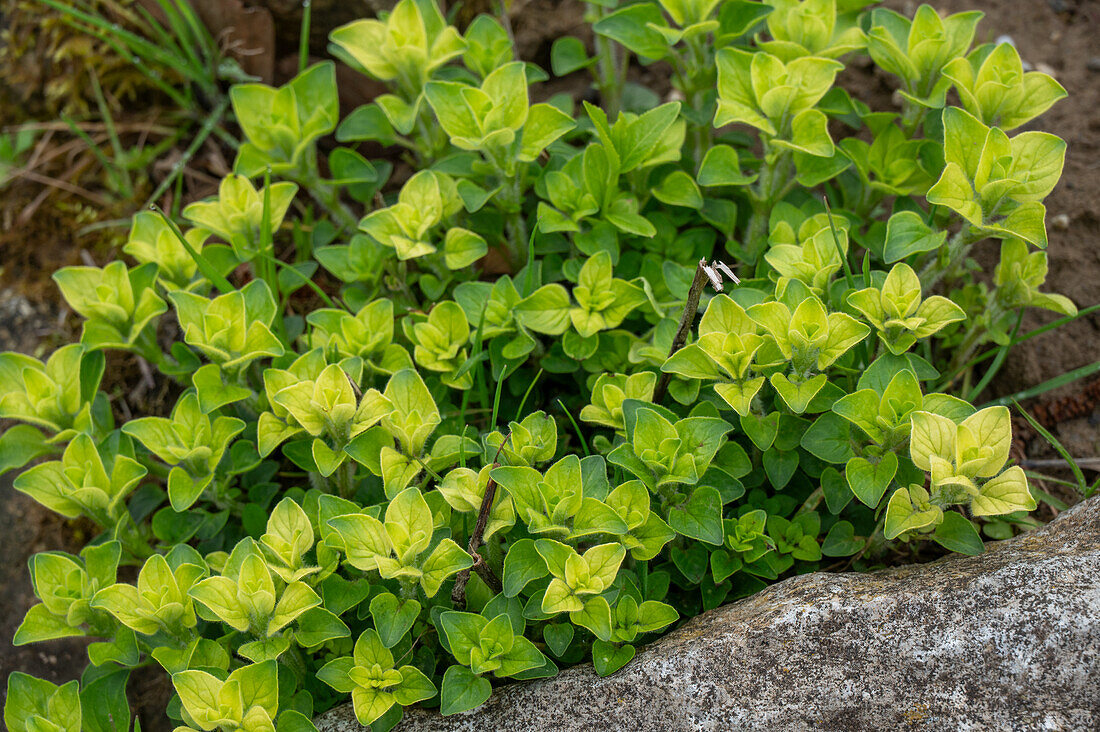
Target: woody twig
458, 593
704, 273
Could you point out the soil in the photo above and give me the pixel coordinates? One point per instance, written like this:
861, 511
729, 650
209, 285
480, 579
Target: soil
1058, 37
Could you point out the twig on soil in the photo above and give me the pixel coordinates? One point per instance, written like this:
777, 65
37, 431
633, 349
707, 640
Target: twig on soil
66, 186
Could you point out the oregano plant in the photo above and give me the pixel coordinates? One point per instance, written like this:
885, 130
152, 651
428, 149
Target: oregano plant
582, 372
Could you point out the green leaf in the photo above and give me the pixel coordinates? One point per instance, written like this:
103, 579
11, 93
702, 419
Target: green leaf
809, 134
631, 26
1006, 493
414, 686
462, 247
907, 234
723, 564
869, 481
691, 562
558, 636
609, 657
841, 541
415, 415
21, 444
721, 167
700, 517
798, 396
123, 649
462, 691
366, 122
596, 517
679, 189
336, 672
595, 616
780, 465
761, 429
40, 624
103, 704
393, 618
836, 490
464, 632
829, 438
318, 625
909, 510
567, 55
447, 559
692, 362
183, 490
956, 533
546, 310
545, 123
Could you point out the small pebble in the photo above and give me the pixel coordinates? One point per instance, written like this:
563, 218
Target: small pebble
1058, 6
1060, 222
1094, 63
1045, 68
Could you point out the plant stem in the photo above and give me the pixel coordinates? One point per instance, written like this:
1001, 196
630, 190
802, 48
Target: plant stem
911, 118
687, 318
408, 589
325, 194
770, 188
515, 225
949, 255
813, 501
150, 350
458, 593
611, 71
344, 479
977, 335
702, 136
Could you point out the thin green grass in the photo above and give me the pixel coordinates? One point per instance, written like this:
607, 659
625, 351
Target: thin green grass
1081, 485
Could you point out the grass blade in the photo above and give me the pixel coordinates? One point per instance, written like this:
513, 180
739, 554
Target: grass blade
530, 387
122, 171
994, 367
1058, 447
576, 428
204, 132
207, 269
1067, 378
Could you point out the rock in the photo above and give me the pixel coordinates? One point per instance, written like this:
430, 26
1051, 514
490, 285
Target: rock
1004, 641
1093, 63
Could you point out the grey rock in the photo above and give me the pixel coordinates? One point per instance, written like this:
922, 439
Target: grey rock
1009, 640
1093, 63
